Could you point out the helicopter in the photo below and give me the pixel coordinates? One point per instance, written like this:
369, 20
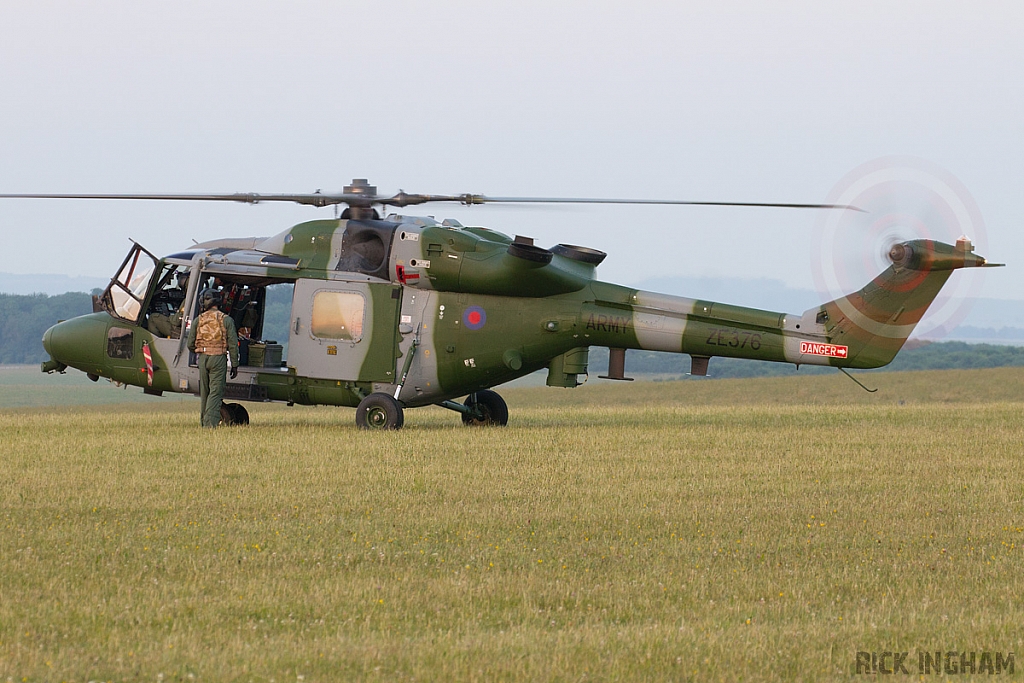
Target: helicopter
399, 312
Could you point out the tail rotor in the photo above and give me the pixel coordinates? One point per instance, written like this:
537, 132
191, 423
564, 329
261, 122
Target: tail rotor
904, 199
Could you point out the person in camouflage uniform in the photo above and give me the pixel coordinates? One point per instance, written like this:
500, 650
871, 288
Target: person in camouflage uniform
212, 335
164, 325
168, 310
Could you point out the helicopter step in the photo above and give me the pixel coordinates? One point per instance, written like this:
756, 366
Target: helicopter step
245, 392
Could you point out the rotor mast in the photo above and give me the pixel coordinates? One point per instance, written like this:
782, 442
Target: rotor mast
362, 196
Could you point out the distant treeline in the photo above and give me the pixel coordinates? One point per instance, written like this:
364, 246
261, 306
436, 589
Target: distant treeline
24, 318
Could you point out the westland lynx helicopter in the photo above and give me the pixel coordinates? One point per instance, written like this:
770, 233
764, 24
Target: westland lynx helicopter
401, 312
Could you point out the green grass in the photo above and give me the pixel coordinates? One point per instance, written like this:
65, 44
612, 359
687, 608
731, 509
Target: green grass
727, 530
23, 386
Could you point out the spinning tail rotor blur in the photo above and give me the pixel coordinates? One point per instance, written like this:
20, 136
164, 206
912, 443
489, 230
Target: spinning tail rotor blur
903, 199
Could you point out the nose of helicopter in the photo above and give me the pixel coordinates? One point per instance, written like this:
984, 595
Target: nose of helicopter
77, 343
46, 340
53, 364
59, 341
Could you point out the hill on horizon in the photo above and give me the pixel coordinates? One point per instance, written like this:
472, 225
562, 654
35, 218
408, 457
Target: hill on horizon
51, 285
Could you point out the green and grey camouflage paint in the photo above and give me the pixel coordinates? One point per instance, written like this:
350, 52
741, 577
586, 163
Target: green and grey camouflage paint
461, 309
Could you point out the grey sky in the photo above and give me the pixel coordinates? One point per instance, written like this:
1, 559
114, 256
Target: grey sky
738, 101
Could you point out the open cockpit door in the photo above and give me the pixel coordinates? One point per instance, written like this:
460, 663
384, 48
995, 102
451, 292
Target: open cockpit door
125, 296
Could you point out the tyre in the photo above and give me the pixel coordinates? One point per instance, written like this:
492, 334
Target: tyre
240, 415
379, 411
489, 409
233, 414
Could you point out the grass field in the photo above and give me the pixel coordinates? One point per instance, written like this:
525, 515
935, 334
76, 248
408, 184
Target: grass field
23, 386
707, 530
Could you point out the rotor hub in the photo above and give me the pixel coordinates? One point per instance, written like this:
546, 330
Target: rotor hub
900, 254
360, 186
359, 208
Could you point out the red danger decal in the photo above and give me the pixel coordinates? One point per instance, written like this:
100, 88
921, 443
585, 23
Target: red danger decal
830, 350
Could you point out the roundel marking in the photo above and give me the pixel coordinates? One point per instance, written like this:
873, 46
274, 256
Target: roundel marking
474, 317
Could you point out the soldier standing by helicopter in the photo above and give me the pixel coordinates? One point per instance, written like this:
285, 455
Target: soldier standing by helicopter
213, 337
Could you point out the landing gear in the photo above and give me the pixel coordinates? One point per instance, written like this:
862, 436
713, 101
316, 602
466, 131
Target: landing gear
233, 414
379, 411
486, 408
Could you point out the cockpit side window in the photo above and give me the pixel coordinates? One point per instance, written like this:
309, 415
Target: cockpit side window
120, 344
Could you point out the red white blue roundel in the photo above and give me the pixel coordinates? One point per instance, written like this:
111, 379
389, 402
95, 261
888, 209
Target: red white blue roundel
474, 317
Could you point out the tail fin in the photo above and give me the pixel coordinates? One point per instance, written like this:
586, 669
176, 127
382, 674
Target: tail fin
875, 321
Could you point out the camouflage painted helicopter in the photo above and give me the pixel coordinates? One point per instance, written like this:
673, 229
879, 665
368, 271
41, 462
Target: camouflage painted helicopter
401, 312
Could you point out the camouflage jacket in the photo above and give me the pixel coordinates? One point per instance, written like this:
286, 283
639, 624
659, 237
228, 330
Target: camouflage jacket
228, 326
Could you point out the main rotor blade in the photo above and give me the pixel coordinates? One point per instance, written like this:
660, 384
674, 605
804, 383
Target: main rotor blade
483, 199
310, 199
314, 199
403, 199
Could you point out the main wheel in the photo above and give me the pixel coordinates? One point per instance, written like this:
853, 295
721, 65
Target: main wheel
489, 409
233, 414
379, 411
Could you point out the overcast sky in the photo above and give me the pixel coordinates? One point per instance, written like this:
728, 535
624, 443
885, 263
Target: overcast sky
741, 101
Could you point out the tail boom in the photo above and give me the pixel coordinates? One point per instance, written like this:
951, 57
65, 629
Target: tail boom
862, 330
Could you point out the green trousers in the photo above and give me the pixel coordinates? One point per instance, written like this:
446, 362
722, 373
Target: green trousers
213, 375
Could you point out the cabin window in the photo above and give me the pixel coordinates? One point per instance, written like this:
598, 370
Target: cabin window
120, 343
337, 315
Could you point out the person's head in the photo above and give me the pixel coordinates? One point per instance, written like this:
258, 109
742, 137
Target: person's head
210, 298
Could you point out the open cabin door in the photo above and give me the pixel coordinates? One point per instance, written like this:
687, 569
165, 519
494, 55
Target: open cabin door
345, 330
